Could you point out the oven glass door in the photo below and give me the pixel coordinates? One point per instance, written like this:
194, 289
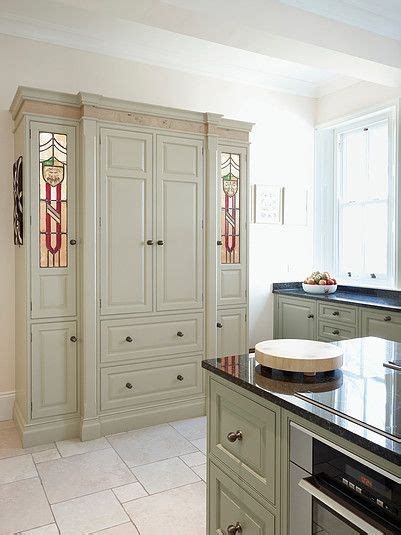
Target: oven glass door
334, 515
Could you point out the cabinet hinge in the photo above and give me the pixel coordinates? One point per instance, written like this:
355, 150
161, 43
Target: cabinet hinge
100, 222
30, 220
31, 407
30, 134
30, 305
203, 151
100, 140
31, 336
202, 224
100, 303
246, 317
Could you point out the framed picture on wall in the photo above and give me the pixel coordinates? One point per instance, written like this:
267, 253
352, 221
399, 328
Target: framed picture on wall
268, 204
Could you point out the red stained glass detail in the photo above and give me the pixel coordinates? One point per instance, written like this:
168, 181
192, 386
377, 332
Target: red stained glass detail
230, 208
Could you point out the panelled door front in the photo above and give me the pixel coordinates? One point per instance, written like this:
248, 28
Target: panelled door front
54, 369
53, 232
231, 332
126, 221
179, 223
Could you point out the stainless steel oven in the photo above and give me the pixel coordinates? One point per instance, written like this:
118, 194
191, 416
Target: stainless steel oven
336, 493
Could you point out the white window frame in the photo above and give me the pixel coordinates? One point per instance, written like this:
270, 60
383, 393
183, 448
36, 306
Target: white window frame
328, 161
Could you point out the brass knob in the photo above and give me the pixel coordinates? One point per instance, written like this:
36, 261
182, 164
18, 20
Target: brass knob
180, 378
336, 331
73, 338
149, 242
219, 242
336, 313
73, 242
219, 325
387, 318
160, 242
233, 530
129, 339
180, 334
233, 437
129, 386
310, 316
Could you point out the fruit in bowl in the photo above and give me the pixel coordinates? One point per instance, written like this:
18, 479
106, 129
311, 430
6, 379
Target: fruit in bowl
320, 283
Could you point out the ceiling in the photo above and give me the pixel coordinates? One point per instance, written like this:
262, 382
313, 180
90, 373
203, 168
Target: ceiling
382, 17
219, 38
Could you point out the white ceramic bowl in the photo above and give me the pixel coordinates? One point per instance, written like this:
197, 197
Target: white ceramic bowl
317, 289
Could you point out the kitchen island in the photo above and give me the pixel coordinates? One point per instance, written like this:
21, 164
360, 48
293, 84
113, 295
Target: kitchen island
256, 415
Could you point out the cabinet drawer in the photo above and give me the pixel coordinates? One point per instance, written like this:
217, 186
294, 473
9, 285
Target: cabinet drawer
381, 323
230, 505
136, 384
149, 337
342, 314
253, 455
334, 331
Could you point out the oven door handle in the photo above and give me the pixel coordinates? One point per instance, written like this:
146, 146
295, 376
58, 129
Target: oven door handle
308, 485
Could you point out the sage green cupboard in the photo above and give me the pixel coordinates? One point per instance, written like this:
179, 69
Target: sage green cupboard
381, 323
296, 318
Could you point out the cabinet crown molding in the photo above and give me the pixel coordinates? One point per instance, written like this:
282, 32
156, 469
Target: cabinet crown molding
85, 102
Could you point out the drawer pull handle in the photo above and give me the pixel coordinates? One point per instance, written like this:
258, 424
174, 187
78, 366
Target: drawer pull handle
149, 242
129, 339
233, 437
129, 386
180, 378
387, 318
160, 242
73, 338
219, 325
233, 530
180, 334
310, 316
336, 313
336, 331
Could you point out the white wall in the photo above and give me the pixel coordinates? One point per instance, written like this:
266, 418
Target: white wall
282, 153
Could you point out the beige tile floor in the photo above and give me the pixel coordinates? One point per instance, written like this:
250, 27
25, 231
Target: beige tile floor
149, 481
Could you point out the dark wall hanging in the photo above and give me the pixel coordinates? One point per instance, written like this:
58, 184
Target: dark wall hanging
18, 202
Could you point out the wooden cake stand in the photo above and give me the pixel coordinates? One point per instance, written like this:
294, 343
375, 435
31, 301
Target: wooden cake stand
305, 356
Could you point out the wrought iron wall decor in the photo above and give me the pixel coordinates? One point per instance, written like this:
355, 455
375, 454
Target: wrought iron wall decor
18, 202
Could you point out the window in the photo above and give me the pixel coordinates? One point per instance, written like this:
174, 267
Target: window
53, 200
355, 200
230, 208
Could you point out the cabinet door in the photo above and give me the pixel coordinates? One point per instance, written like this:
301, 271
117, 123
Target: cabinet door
296, 318
53, 232
232, 215
231, 332
126, 224
381, 324
230, 505
179, 223
54, 369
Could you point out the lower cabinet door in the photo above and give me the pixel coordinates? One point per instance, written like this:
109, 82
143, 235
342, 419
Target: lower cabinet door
231, 332
296, 318
54, 369
230, 507
381, 323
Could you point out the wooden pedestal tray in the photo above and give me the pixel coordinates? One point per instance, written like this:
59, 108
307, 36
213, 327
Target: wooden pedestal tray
305, 356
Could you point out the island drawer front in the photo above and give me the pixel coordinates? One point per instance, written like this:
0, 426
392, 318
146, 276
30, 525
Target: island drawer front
333, 331
128, 339
381, 323
136, 384
342, 314
230, 505
253, 455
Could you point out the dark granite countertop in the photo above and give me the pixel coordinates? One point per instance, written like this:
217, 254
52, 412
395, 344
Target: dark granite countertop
363, 390
369, 297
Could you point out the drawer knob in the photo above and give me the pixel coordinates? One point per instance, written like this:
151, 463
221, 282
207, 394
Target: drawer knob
233, 530
387, 318
129, 386
180, 378
310, 316
73, 242
219, 242
149, 242
219, 325
129, 339
180, 334
73, 338
336, 331
336, 313
233, 437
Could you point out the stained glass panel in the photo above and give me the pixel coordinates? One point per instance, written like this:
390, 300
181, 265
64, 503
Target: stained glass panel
53, 200
230, 208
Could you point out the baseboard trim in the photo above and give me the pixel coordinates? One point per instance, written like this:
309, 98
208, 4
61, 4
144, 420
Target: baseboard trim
146, 416
6, 405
